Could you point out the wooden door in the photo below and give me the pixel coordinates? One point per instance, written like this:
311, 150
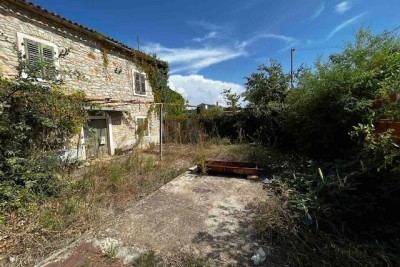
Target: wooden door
96, 141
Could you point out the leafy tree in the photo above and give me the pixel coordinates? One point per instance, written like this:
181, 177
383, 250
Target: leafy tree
175, 98
232, 99
265, 93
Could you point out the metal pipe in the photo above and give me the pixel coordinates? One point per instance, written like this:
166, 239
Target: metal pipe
161, 132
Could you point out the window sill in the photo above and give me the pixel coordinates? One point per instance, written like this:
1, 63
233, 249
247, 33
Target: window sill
135, 94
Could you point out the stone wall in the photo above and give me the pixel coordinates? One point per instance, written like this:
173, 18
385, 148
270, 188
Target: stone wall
84, 68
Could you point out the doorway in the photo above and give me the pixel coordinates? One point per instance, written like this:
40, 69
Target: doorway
96, 138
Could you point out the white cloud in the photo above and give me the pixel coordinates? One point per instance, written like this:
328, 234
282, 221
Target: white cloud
208, 36
317, 12
198, 89
193, 59
342, 7
345, 24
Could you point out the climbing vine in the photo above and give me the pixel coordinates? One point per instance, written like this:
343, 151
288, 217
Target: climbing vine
37, 120
155, 69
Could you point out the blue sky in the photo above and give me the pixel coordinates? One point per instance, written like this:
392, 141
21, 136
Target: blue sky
212, 45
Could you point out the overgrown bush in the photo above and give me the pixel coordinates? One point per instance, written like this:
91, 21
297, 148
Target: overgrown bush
342, 92
36, 121
350, 191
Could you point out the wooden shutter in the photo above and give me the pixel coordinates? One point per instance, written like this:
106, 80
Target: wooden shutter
137, 83
33, 57
49, 71
142, 84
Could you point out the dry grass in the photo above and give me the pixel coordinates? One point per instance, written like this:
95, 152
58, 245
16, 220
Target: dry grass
94, 194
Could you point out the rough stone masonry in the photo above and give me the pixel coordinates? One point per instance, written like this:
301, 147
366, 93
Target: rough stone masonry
83, 68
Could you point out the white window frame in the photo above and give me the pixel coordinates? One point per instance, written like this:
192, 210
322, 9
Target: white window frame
134, 83
21, 49
148, 125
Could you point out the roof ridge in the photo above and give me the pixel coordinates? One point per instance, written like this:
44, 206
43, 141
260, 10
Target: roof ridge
30, 6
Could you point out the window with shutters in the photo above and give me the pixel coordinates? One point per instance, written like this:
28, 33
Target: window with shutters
140, 83
142, 126
40, 56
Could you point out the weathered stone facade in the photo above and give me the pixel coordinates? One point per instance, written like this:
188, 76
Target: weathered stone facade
85, 68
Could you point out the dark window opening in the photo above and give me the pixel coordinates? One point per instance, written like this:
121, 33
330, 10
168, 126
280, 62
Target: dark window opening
140, 83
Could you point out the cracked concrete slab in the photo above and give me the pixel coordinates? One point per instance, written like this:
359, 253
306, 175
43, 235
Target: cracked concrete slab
204, 215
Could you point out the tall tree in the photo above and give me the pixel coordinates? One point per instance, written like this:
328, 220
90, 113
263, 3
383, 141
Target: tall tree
265, 94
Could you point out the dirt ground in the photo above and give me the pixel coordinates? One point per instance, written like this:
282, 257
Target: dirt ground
208, 216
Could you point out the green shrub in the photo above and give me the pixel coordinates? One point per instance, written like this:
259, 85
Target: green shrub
70, 206
111, 252
116, 175
351, 190
150, 164
36, 121
147, 260
49, 219
341, 93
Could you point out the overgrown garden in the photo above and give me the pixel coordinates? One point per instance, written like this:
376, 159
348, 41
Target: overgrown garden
336, 178
340, 192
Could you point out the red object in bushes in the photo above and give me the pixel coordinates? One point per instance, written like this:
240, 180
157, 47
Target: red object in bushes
382, 126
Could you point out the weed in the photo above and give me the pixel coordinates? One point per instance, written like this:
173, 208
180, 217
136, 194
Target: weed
99, 188
150, 164
202, 159
49, 219
82, 186
147, 186
146, 260
70, 206
87, 264
115, 176
111, 252
189, 260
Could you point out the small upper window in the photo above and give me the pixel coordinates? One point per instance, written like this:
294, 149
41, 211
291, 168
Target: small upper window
40, 59
140, 83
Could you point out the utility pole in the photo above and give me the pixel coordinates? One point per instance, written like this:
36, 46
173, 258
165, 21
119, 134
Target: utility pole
291, 67
138, 44
161, 131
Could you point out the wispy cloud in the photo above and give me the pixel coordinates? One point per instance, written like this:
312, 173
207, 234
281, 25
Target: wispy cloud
208, 36
284, 38
194, 59
345, 24
206, 25
317, 12
288, 40
342, 7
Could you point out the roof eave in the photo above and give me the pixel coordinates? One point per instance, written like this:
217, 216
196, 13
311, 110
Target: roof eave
38, 10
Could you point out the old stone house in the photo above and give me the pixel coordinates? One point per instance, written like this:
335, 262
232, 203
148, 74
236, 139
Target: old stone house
108, 77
